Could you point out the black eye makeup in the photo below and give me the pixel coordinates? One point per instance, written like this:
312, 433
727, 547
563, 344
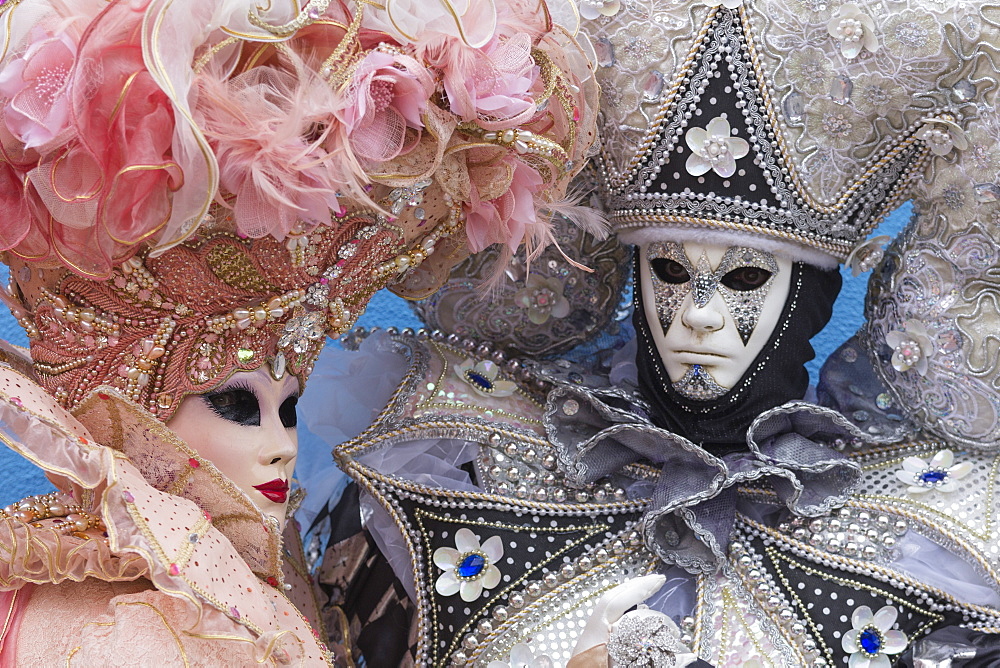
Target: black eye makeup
239, 404
236, 404
286, 412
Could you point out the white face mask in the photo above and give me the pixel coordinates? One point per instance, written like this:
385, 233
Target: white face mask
710, 309
246, 428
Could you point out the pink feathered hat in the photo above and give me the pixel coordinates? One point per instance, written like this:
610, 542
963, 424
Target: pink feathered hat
188, 189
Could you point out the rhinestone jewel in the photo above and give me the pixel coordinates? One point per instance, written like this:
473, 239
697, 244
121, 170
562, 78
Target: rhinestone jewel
794, 106
605, 52
841, 89
870, 640
652, 86
964, 90
987, 193
278, 366
471, 566
933, 477
479, 380
698, 384
652, 640
301, 331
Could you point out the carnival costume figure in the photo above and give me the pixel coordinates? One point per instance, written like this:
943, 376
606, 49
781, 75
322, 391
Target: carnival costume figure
748, 147
194, 195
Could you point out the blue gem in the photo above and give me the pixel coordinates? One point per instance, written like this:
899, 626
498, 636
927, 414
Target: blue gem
471, 566
871, 641
933, 477
480, 380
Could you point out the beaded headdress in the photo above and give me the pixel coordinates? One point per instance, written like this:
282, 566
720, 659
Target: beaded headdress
734, 135
195, 188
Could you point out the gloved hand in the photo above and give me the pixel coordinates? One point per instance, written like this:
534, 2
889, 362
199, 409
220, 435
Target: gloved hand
610, 618
612, 606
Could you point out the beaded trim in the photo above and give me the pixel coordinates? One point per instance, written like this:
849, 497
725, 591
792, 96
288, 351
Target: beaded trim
515, 460
162, 327
514, 463
411, 505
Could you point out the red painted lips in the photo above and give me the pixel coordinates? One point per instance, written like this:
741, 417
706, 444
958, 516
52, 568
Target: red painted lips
275, 490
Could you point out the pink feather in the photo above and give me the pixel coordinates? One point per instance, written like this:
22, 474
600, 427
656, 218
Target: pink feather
588, 218
276, 151
520, 17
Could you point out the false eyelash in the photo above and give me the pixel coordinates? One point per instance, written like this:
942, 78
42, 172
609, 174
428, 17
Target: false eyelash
237, 385
244, 385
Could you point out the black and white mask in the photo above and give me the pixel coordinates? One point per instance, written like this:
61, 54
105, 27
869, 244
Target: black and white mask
710, 310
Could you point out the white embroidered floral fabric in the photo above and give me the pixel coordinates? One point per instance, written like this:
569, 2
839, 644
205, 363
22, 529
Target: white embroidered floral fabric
839, 111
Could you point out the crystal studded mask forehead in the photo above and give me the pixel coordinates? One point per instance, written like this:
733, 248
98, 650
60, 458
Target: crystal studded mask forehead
744, 305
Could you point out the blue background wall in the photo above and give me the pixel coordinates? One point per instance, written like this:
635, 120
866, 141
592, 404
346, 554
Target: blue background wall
18, 478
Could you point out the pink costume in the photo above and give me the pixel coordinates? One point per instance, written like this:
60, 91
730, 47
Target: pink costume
194, 189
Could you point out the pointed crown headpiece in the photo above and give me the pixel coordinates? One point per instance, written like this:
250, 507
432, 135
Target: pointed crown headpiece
706, 130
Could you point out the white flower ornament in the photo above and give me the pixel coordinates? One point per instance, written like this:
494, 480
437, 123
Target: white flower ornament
939, 474
542, 298
482, 378
910, 347
854, 29
468, 567
941, 136
714, 148
521, 656
592, 9
872, 638
866, 255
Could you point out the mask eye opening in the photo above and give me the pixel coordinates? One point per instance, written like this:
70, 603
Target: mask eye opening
235, 404
287, 413
746, 279
669, 271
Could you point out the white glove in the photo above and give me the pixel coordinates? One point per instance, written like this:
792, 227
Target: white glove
612, 606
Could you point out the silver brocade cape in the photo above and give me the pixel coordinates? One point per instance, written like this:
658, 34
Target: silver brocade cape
780, 592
